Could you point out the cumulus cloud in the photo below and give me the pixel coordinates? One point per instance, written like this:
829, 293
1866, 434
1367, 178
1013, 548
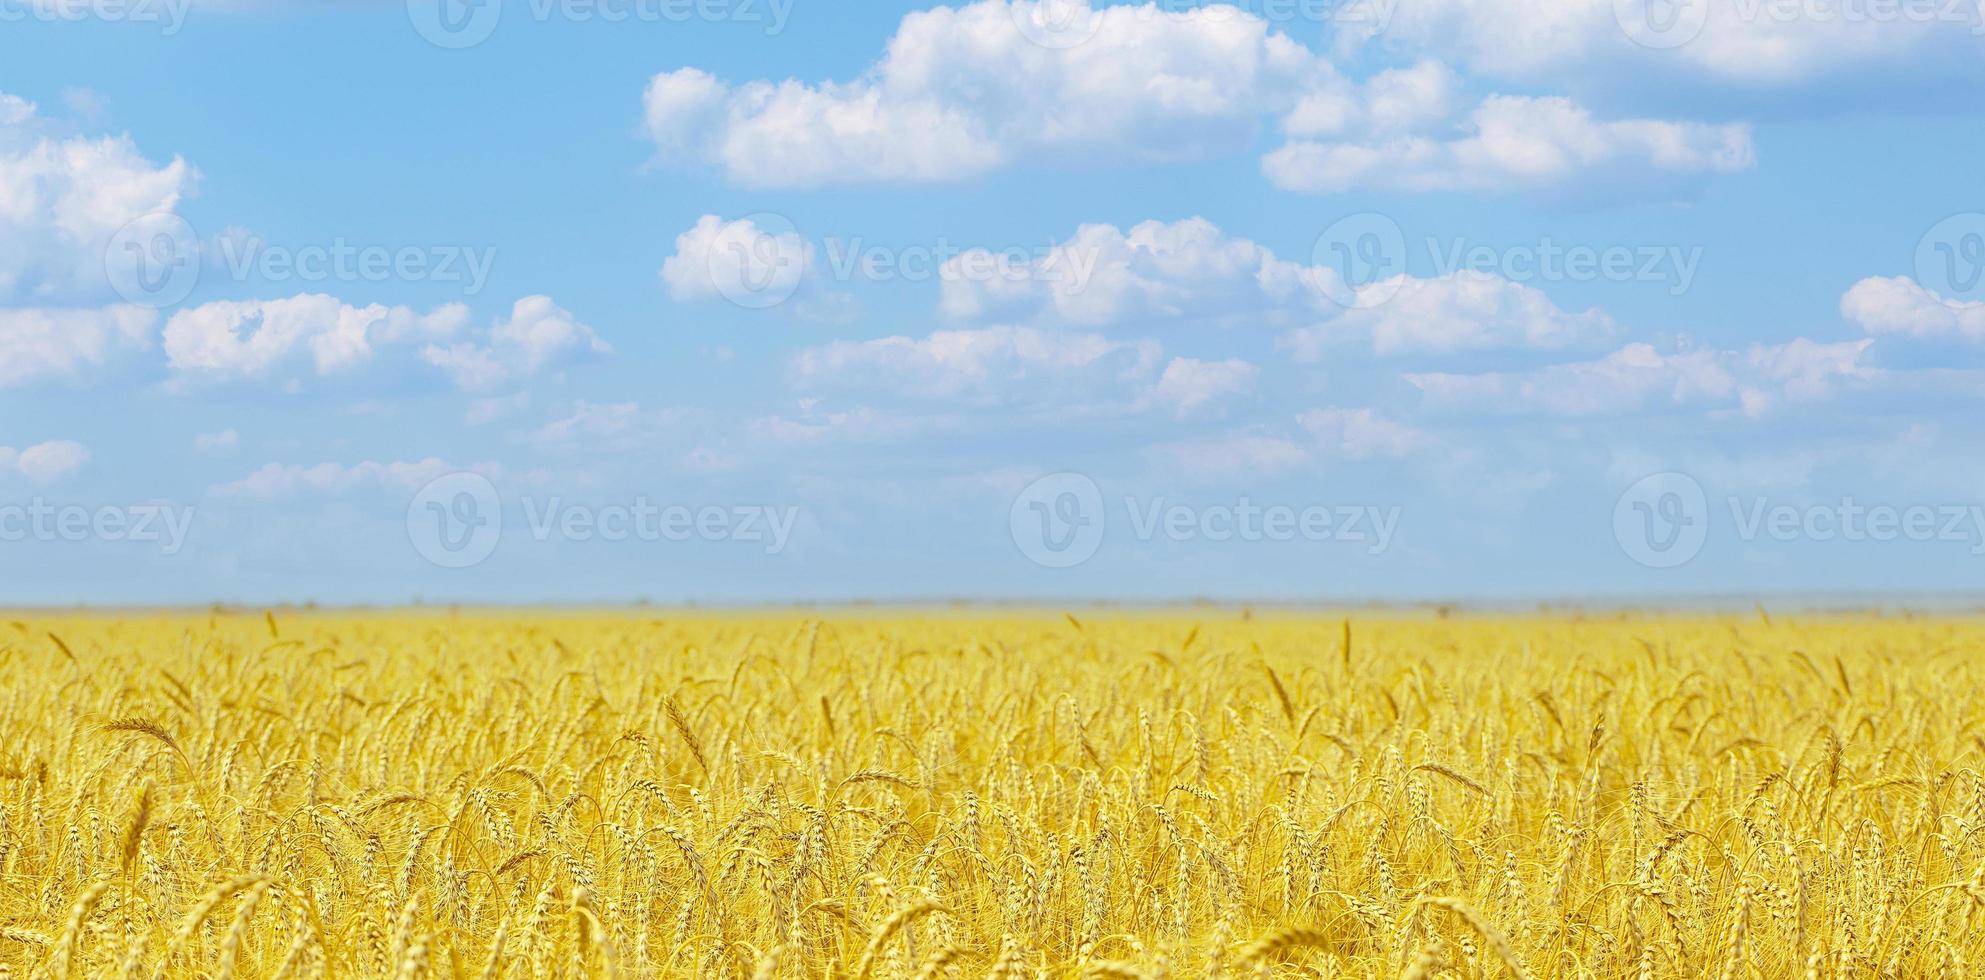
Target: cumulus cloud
1187, 385
69, 344
1903, 307
1517, 143
45, 462
1638, 376
1104, 275
320, 335
537, 335
1191, 270
1460, 312
63, 198
992, 366
964, 91
718, 258
254, 338
1761, 45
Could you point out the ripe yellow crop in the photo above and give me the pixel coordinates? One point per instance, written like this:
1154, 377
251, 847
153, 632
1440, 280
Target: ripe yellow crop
1022, 796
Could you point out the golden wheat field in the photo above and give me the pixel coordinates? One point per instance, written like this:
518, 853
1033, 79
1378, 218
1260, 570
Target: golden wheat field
990, 796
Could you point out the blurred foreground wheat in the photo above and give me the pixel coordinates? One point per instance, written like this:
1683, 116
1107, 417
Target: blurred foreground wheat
1006, 797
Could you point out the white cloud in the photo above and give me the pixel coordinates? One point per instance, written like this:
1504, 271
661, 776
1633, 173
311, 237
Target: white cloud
1361, 433
1188, 385
1463, 311
318, 334
1767, 45
718, 258
224, 441
1637, 376
1192, 270
281, 481
45, 462
1516, 143
1104, 275
1904, 307
995, 365
37, 344
254, 338
537, 335
62, 198
963, 91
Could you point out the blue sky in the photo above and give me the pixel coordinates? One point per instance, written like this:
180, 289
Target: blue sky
755, 301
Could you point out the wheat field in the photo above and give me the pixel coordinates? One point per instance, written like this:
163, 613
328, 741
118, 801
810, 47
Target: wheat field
952, 795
